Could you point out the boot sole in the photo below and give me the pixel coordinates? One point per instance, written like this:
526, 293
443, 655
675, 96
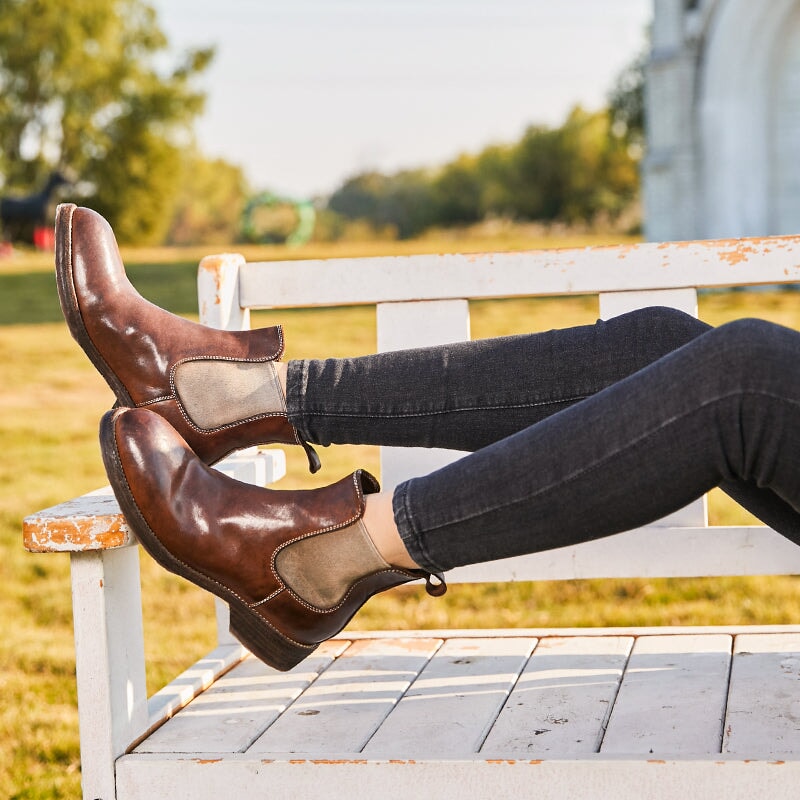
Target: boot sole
251, 629
68, 298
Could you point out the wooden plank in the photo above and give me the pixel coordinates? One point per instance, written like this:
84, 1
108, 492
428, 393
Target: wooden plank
406, 325
239, 707
452, 705
109, 661
562, 700
764, 700
349, 701
672, 697
650, 552
542, 633
590, 270
178, 693
588, 778
90, 522
612, 304
218, 292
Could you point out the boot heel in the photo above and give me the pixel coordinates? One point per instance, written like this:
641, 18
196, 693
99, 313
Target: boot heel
264, 642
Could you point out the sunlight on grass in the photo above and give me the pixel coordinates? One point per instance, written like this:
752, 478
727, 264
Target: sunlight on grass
50, 402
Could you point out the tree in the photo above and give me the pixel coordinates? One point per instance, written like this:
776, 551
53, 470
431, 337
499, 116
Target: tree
404, 200
457, 190
209, 203
84, 86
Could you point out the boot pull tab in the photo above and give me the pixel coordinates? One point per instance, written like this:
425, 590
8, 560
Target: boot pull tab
314, 464
435, 584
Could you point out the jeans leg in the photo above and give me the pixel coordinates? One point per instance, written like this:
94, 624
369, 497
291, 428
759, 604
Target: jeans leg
723, 410
467, 395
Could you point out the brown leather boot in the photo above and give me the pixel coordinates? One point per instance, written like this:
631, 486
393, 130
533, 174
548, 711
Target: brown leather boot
145, 353
294, 566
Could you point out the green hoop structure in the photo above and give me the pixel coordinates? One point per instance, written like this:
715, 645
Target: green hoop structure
306, 217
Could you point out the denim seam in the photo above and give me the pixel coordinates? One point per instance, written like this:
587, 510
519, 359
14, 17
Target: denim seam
598, 464
395, 415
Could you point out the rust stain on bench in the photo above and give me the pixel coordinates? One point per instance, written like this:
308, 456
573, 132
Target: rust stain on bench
91, 522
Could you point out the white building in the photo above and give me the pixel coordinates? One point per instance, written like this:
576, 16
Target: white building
723, 119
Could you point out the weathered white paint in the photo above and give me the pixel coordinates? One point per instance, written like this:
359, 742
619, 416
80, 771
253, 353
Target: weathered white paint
561, 702
218, 292
259, 467
90, 522
191, 682
672, 697
763, 717
453, 704
612, 304
547, 633
652, 552
238, 707
109, 649
585, 778
285, 284
344, 707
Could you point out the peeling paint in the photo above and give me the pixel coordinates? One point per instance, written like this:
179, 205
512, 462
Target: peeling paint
737, 255
90, 522
72, 534
207, 760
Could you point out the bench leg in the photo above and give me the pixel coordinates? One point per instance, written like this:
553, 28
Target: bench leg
109, 645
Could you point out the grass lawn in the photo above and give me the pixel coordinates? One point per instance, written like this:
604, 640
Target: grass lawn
50, 402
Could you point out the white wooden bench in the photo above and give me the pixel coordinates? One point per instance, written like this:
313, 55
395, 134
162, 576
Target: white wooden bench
589, 713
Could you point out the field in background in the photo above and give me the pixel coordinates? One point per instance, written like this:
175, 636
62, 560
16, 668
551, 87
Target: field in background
51, 400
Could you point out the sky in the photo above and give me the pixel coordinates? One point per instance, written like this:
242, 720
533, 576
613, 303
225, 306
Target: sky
305, 93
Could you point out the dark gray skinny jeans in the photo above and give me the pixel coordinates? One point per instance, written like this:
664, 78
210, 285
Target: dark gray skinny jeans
572, 434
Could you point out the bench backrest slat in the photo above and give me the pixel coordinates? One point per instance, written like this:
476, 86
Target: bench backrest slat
359, 281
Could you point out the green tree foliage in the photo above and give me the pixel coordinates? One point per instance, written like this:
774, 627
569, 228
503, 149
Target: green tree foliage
86, 86
583, 171
404, 200
210, 202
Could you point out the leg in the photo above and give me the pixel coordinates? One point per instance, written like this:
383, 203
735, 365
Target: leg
467, 395
724, 410
295, 566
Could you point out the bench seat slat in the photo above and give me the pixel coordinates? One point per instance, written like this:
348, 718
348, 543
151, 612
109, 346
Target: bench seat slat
763, 716
454, 702
672, 696
239, 707
345, 706
664, 685
585, 778
561, 702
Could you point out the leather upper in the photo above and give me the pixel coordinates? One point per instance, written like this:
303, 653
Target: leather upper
137, 345
230, 532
